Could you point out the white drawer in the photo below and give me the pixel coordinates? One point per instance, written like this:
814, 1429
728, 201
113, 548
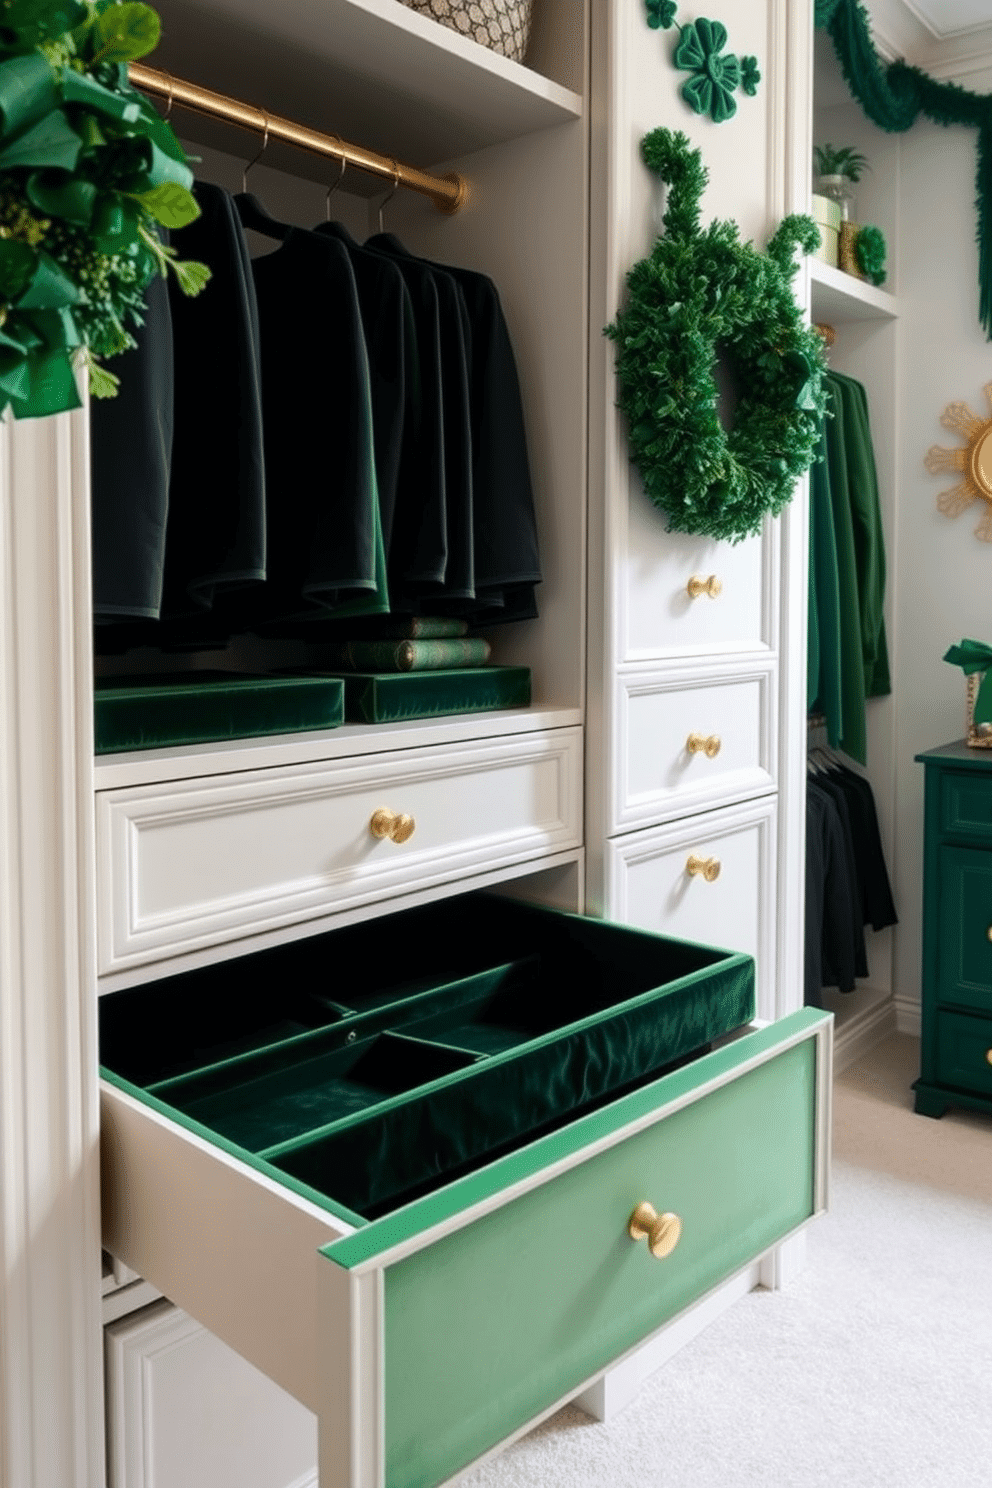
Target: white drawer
189, 864
658, 615
648, 884
185, 1411
732, 710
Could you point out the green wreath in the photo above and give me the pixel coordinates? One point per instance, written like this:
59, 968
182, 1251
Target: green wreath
700, 297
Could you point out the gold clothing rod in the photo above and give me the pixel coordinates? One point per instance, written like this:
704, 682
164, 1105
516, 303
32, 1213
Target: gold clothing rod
447, 192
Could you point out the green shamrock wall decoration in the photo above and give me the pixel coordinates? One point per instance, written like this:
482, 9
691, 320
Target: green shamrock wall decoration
715, 75
750, 76
661, 13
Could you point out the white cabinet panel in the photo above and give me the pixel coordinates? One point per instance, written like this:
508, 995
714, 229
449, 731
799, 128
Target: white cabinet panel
185, 1411
194, 863
649, 884
663, 715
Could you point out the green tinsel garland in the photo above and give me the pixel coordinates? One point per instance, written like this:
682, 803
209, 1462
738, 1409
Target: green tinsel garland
894, 96
703, 294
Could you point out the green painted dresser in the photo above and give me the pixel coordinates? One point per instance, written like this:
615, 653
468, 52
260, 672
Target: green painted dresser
956, 1032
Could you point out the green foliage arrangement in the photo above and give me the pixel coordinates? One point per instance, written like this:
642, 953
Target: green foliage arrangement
700, 295
869, 250
846, 161
894, 95
89, 175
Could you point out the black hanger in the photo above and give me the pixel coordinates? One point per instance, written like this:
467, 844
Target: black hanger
254, 216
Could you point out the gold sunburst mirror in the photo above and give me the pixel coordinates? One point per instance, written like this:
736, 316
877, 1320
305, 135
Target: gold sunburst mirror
973, 464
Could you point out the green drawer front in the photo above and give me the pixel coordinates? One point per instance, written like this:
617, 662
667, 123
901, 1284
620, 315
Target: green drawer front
966, 805
965, 955
497, 1321
964, 1051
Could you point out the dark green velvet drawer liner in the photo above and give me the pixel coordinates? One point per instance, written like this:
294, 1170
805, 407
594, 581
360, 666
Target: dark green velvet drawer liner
152, 713
251, 1078
387, 1157
585, 1010
390, 697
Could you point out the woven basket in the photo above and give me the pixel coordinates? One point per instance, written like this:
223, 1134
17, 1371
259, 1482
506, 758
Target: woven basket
501, 25
847, 252
979, 735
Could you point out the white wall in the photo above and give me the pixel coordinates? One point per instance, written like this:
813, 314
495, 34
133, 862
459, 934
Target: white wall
944, 574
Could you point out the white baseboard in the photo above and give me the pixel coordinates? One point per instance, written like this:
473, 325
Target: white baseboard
861, 1030
907, 1014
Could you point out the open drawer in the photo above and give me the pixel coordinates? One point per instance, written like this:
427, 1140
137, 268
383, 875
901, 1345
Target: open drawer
394, 1166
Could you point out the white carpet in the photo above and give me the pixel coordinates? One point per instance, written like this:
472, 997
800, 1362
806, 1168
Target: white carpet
873, 1369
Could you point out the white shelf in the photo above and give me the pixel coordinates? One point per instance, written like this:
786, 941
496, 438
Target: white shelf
837, 297
373, 71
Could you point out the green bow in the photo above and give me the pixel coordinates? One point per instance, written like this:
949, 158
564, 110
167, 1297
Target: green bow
975, 656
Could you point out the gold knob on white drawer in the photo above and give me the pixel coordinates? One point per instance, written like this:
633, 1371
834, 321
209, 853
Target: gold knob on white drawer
708, 868
395, 825
711, 586
708, 744
662, 1231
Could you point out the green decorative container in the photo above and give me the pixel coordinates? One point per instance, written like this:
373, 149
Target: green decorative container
390, 697
183, 708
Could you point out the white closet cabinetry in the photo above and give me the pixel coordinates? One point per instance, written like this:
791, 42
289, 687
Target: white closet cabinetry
204, 854
702, 642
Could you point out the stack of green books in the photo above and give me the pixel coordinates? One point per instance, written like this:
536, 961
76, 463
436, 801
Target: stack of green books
422, 667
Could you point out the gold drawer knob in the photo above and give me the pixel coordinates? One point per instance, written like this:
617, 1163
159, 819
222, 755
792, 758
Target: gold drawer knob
708, 868
395, 825
989, 932
661, 1231
708, 744
988, 1056
698, 586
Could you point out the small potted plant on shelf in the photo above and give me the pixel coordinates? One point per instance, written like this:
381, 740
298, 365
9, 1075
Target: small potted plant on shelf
837, 170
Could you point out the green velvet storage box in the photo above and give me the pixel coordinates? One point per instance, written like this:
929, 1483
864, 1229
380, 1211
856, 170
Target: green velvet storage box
370, 1077
391, 697
198, 708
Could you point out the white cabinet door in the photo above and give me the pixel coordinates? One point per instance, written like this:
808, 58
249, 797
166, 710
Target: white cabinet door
185, 1411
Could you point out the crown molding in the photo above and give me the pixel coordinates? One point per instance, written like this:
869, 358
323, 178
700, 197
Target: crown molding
900, 31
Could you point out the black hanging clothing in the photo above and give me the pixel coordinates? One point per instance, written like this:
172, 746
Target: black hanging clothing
830, 917
131, 441
324, 536
458, 575
875, 902
831, 788
507, 562
217, 508
418, 551
391, 343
